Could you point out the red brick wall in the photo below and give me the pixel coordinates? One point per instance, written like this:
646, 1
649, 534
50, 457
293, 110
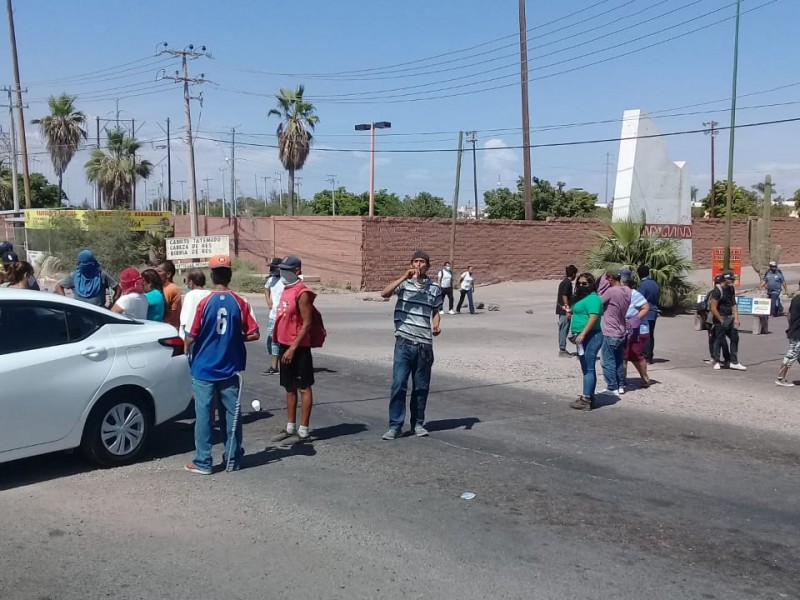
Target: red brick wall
330, 247
368, 252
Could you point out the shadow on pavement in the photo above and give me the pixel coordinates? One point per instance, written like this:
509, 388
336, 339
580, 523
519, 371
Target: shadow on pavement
276, 454
324, 370
446, 424
603, 400
342, 429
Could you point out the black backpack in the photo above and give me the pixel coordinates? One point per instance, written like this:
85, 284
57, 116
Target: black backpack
705, 305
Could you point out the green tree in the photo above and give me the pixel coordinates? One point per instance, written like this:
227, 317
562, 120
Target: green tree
43, 193
62, 130
796, 198
6, 188
425, 204
555, 201
294, 132
116, 170
387, 204
502, 203
347, 203
627, 244
745, 202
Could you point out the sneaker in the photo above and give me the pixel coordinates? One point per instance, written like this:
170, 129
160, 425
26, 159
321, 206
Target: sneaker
610, 391
564, 354
621, 391
192, 468
784, 383
450, 312
582, 403
391, 434
420, 431
283, 435
717, 366
270, 371
737, 367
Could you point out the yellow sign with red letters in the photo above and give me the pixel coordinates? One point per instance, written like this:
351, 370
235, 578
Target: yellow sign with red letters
138, 220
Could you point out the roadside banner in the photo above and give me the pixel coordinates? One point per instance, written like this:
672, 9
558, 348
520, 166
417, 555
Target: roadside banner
192, 252
753, 306
140, 220
718, 263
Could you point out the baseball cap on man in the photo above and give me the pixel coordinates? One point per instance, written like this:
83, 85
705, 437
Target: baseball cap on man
421, 254
10, 257
729, 276
772, 263
290, 263
220, 261
6, 247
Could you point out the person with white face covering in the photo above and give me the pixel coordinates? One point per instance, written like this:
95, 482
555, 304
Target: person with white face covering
445, 281
293, 333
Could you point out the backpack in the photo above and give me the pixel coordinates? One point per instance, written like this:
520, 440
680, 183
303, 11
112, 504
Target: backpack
318, 331
705, 304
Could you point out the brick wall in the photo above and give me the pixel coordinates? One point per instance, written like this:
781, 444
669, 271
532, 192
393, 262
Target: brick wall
368, 252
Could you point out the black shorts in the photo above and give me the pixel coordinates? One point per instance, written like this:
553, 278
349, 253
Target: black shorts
298, 374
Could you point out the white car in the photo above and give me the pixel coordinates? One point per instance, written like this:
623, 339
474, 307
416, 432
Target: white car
73, 375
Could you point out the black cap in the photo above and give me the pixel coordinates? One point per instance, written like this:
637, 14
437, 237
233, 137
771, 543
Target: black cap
6, 247
421, 254
9, 258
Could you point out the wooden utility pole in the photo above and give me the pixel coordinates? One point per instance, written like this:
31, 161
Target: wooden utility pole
472, 139
99, 199
13, 148
169, 171
526, 130
729, 191
23, 143
455, 197
712, 131
183, 77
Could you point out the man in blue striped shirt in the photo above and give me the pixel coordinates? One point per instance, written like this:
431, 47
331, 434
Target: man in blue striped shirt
416, 320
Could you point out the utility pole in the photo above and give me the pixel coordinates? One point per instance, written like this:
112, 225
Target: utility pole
280, 187
23, 142
729, 199
472, 139
133, 182
455, 197
608, 166
222, 184
169, 171
13, 136
712, 131
265, 191
233, 172
208, 191
185, 54
526, 130
99, 199
332, 180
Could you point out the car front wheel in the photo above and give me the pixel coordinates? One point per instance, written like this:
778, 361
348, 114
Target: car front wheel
117, 430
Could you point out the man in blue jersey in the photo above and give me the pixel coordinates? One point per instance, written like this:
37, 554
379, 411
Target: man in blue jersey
222, 324
417, 319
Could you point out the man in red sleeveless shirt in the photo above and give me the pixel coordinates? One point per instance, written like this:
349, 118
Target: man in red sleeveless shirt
292, 331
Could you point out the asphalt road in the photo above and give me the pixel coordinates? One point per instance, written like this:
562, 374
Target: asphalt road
607, 504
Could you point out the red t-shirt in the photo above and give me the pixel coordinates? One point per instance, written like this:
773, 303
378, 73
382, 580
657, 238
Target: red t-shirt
288, 320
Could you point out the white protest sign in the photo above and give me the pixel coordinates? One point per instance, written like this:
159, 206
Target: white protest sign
194, 248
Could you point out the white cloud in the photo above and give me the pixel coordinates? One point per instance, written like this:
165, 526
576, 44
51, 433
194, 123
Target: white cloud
499, 163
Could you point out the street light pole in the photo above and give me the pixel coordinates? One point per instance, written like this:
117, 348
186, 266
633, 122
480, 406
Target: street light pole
729, 199
372, 127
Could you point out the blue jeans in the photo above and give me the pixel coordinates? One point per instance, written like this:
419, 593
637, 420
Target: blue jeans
591, 346
230, 420
613, 365
776, 307
468, 294
415, 360
273, 348
563, 332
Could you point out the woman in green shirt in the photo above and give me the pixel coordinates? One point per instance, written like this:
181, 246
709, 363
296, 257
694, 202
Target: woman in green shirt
587, 309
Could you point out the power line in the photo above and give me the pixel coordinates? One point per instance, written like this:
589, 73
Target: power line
380, 94
114, 69
543, 145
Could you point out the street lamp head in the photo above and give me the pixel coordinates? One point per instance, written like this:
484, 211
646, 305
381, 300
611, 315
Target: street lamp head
363, 127
383, 125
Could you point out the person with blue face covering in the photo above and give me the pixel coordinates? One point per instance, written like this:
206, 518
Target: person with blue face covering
89, 283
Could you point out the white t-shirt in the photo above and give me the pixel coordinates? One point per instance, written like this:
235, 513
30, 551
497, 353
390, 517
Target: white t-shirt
446, 278
134, 305
466, 281
189, 308
275, 287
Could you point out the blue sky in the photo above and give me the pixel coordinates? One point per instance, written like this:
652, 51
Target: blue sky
363, 60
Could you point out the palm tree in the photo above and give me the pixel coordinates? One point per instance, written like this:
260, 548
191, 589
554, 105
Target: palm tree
116, 171
6, 187
63, 131
630, 245
294, 132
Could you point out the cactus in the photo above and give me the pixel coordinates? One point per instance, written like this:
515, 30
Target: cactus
759, 242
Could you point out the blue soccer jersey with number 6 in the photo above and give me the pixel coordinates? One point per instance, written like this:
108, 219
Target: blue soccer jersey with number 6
221, 323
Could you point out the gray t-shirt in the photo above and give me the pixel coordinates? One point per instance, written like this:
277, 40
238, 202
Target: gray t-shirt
414, 309
68, 283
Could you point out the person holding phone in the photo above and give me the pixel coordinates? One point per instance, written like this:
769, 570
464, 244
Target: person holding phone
587, 311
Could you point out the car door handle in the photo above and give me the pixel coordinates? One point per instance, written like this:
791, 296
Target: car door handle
93, 352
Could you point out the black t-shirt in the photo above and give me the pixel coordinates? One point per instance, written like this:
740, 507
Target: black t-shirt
793, 333
726, 299
564, 289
